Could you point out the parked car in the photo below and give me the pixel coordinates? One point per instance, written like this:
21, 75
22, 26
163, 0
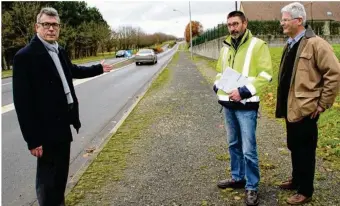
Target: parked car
145, 56
120, 53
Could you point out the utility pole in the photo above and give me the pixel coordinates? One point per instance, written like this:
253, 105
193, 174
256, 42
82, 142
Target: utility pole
235, 5
189, 26
190, 31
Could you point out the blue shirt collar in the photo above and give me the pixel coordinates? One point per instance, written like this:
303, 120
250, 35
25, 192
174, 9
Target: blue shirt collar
292, 41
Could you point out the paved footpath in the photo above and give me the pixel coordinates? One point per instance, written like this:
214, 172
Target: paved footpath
181, 154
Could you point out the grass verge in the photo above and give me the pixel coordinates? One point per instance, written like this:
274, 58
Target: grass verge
110, 163
94, 58
6, 73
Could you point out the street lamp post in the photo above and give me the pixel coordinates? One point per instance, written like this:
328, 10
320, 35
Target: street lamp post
190, 28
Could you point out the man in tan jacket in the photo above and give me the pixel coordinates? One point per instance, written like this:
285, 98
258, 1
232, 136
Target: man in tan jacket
309, 79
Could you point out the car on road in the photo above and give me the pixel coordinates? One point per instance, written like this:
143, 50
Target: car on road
146, 56
120, 53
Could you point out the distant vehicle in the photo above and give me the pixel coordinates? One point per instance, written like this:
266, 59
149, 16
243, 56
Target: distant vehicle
146, 56
121, 53
128, 53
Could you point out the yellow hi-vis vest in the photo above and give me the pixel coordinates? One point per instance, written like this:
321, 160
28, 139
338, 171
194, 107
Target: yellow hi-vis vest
251, 59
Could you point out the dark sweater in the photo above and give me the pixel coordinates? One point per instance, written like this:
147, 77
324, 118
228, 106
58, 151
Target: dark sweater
286, 76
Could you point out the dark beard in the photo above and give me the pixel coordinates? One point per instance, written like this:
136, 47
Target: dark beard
238, 35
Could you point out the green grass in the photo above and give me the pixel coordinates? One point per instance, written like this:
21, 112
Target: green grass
106, 53
184, 47
6, 73
110, 163
94, 58
170, 42
268, 96
336, 48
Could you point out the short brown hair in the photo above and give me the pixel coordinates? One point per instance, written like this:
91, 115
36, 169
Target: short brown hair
237, 13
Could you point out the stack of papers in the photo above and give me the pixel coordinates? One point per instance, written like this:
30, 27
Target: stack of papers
230, 80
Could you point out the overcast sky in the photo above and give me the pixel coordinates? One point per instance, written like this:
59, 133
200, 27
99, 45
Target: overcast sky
158, 16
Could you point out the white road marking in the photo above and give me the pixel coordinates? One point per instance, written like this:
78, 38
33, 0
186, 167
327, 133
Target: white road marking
7, 108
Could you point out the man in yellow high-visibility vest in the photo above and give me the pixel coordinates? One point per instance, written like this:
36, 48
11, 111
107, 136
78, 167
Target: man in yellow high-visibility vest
249, 56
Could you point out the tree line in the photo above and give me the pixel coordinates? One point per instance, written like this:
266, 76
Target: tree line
84, 32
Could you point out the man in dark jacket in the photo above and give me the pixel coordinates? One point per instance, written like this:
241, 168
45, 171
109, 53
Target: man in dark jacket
46, 104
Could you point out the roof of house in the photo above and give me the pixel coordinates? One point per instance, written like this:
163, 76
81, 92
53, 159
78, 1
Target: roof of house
271, 10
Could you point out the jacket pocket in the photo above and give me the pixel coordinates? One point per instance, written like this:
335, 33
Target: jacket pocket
305, 61
307, 101
315, 93
306, 55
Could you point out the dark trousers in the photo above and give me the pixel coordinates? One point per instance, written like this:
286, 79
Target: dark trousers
302, 140
52, 172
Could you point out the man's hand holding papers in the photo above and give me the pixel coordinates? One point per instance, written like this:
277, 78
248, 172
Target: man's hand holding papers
230, 81
235, 95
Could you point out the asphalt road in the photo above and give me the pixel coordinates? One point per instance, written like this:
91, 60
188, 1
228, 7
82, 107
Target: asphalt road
6, 84
102, 99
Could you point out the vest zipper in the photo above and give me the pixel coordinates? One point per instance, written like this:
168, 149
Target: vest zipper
232, 65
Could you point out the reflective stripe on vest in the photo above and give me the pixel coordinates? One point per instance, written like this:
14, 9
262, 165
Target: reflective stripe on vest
245, 71
225, 54
266, 76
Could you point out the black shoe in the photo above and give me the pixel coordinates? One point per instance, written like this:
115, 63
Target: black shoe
230, 183
252, 197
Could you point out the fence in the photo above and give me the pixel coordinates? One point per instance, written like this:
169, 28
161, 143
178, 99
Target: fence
214, 33
272, 31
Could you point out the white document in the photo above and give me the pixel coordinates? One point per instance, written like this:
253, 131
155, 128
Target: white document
230, 80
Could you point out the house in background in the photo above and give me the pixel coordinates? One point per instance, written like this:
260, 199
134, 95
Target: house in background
325, 12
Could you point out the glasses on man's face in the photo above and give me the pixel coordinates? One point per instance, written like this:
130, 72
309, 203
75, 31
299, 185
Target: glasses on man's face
287, 20
235, 24
47, 25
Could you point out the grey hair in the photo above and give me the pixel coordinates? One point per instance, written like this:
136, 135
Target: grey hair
49, 11
296, 10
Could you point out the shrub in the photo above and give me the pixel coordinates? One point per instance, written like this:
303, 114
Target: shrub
157, 49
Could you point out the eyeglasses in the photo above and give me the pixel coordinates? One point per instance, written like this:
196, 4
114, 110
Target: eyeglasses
287, 20
235, 24
47, 25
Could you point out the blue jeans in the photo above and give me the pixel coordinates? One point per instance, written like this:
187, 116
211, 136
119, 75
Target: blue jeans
241, 137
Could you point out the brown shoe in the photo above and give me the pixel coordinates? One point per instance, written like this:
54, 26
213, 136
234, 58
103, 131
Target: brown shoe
230, 183
298, 199
288, 185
